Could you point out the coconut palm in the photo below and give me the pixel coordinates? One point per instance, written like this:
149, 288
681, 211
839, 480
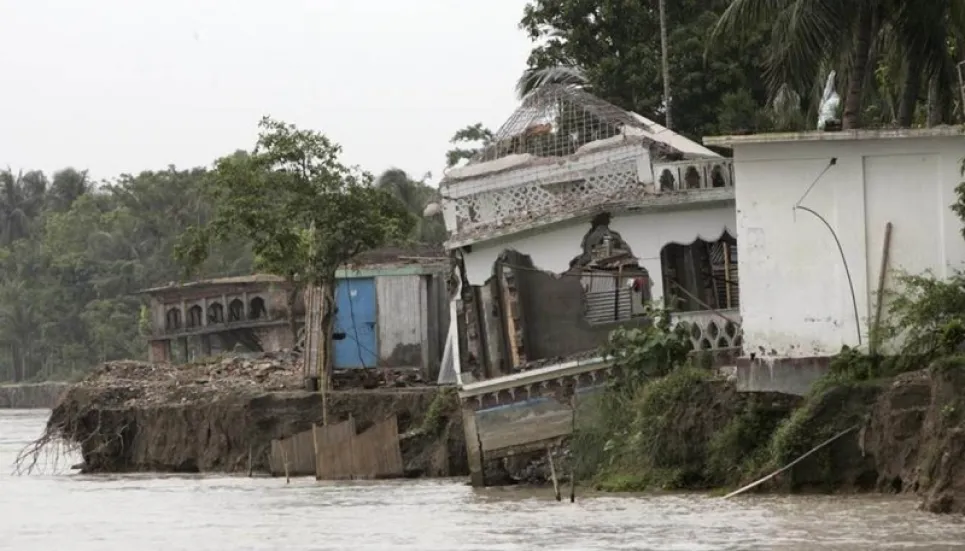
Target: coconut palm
812, 37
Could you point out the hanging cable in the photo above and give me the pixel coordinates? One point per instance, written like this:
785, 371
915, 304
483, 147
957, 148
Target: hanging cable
834, 235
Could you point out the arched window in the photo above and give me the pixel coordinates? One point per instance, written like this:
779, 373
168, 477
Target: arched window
692, 177
195, 315
215, 313
172, 320
258, 310
236, 310
667, 181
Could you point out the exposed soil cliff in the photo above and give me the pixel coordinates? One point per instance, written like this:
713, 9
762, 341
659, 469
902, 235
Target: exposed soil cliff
688, 431
202, 417
917, 436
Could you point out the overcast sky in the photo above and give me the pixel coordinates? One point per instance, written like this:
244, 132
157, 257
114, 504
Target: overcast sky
119, 86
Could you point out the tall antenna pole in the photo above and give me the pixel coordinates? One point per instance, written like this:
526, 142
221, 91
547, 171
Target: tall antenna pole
665, 62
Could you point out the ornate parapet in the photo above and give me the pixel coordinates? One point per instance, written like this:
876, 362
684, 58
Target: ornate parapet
536, 193
712, 330
551, 380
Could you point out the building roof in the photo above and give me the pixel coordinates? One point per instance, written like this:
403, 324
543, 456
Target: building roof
660, 133
559, 121
384, 256
233, 280
844, 135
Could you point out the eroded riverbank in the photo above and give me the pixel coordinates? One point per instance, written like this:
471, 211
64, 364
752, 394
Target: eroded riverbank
118, 512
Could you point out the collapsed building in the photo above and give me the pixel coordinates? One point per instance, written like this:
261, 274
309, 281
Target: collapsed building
571, 222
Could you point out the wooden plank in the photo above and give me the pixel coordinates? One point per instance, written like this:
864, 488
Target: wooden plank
299, 451
334, 444
376, 451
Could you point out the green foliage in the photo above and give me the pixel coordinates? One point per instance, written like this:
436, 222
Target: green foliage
926, 317
616, 46
643, 353
467, 142
443, 406
415, 195
653, 365
303, 211
72, 257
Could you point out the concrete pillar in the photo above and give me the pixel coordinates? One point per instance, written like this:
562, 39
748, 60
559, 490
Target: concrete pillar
474, 452
204, 312
244, 305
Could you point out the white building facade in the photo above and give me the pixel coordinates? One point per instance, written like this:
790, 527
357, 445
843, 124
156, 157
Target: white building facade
565, 230
799, 196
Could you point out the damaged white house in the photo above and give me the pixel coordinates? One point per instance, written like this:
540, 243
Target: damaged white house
574, 217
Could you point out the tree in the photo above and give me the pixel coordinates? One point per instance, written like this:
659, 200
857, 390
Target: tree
304, 213
415, 195
615, 47
858, 39
467, 142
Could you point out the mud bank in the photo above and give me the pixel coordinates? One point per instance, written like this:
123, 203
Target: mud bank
695, 432
31, 395
133, 417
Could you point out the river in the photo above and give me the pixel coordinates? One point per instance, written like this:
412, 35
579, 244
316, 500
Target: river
59, 510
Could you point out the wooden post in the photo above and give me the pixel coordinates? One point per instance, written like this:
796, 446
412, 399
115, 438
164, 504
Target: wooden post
284, 456
556, 484
249, 461
572, 435
879, 303
727, 291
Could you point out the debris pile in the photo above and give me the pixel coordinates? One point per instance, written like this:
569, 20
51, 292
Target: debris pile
146, 383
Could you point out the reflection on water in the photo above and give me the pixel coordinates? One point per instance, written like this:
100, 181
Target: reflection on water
233, 513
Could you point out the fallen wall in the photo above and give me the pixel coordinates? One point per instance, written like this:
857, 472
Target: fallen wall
31, 395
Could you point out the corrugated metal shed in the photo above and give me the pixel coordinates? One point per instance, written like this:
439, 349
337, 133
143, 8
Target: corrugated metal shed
402, 325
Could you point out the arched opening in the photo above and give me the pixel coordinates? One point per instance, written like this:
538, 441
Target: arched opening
215, 313
692, 177
172, 319
667, 181
236, 310
195, 316
717, 177
701, 276
258, 310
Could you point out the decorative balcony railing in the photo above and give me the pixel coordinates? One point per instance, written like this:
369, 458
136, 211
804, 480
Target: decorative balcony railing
710, 331
543, 192
693, 175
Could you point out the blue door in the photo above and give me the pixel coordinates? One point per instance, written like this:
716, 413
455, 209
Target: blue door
356, 317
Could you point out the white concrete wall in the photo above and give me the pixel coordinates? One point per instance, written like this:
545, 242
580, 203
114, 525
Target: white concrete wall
795, 297
646, 234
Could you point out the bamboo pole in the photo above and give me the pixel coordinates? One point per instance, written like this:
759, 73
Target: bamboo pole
879, 302
556, 483
791, 464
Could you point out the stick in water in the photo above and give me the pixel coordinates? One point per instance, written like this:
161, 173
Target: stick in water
791, 464
572, 457
556, 484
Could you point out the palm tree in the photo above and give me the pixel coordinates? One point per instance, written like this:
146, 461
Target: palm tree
415, 195
565, 75
811, 37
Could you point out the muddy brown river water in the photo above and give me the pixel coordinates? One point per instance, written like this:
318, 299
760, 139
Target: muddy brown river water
59, 510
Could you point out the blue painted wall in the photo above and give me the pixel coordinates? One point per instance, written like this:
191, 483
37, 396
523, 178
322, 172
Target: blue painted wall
357, 317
